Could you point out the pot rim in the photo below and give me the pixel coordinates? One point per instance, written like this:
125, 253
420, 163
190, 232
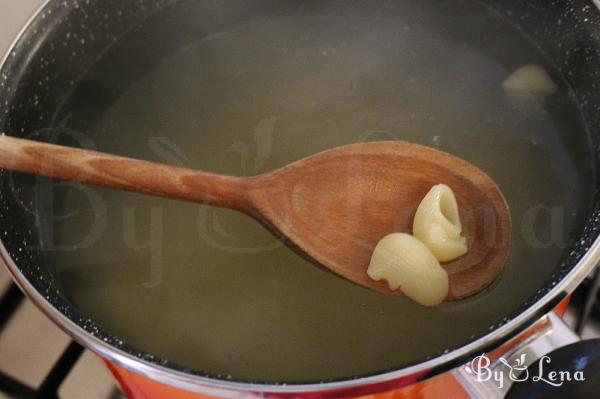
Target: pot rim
380, 382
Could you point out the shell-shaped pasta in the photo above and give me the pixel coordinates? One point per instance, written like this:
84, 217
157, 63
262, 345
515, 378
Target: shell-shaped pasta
437, 224
532, 79
406, 263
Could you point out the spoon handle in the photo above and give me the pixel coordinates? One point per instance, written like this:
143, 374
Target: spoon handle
123, 173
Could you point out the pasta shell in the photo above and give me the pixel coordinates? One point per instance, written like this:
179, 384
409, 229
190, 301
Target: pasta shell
437, 224
407, 264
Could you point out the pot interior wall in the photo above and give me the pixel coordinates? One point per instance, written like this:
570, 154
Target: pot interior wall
246, 87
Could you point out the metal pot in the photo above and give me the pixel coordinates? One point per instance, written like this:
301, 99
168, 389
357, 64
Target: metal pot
66, 41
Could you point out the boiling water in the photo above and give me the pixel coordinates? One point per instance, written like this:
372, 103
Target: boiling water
209, 288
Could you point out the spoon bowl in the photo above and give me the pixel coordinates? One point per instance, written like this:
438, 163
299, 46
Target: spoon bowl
336, 205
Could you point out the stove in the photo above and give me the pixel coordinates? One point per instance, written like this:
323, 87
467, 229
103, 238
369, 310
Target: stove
37, 360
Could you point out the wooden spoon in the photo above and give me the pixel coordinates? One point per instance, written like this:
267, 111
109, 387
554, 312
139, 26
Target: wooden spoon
332, 207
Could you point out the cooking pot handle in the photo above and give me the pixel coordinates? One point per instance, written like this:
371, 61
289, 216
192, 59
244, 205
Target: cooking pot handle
490, 376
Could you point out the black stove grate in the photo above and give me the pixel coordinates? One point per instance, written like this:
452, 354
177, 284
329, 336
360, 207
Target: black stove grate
48, 389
